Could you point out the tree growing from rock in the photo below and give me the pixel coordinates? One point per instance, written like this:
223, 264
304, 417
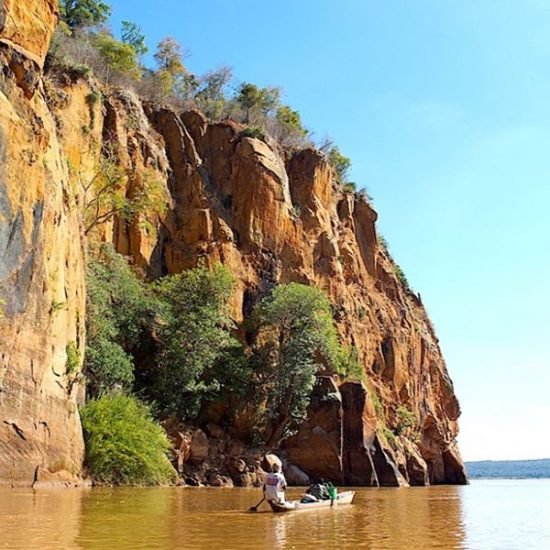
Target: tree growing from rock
288, 127
118, 57
340, 163
252, 98
298, 339
105, 195
248, 98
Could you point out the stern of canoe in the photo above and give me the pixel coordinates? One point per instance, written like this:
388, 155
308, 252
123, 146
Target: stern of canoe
287, 506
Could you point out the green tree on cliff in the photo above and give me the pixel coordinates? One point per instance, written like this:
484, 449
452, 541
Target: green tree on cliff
77, 14
288, 127
252, 98
105, 192
116, 317
193, 328
298, 339
290, 119
118, 57
340, 163
249, 97
133, 36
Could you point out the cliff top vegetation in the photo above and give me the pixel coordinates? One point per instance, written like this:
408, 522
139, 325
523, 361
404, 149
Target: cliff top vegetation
84, 45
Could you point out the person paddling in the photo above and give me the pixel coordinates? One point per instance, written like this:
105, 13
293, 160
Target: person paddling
275, 485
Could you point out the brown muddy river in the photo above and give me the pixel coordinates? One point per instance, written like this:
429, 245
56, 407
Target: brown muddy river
485, 515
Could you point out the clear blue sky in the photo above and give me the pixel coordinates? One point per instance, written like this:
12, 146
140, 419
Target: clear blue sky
444, 108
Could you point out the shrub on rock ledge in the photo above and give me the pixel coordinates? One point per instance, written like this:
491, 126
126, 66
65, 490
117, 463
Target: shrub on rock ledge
124, 446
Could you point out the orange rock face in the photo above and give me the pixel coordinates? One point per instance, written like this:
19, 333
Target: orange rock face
235, 202
270, 217
27, 26
41, 273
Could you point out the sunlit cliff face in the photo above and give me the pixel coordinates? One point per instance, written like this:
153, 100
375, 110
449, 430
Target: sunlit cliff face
271, 216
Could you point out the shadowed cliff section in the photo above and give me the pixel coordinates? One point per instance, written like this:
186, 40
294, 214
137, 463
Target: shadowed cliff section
270, 215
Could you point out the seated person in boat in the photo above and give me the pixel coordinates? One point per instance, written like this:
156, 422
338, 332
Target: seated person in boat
320, 491
275, 485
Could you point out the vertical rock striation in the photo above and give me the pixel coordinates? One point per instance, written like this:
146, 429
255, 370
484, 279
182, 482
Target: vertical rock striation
41, 265
237, 202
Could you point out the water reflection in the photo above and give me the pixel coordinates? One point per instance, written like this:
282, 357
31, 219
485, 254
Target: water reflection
419, 518
39, 519
383, 518
125, 515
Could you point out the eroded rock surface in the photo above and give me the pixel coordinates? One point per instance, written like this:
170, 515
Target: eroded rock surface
41, 266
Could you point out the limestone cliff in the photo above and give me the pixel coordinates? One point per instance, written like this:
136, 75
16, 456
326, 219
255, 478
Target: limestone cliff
41, 264
269, 215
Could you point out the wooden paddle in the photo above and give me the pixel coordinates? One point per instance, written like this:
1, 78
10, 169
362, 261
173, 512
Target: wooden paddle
255, 508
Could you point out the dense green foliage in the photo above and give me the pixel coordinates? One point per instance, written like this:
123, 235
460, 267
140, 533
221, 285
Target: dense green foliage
341, 164
291, 120
123, 443
348, 364
171, 340
84, 13
193, 326
132, 35
174, 335
257, 101
298, 339
116, 317
118, 56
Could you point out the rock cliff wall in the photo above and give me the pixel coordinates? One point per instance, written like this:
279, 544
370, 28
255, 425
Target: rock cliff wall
269, 216
41, 265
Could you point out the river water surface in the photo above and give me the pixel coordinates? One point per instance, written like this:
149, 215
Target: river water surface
496, 514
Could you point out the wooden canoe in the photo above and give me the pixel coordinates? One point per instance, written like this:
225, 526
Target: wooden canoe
293, 505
